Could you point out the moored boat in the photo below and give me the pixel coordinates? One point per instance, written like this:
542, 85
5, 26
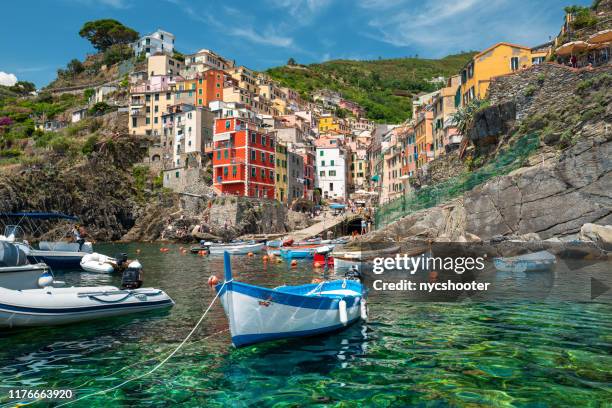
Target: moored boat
305, 251
55, 306
534, 262
15, 271
257, 314
241, 248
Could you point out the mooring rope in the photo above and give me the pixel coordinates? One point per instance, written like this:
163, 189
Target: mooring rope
161, 363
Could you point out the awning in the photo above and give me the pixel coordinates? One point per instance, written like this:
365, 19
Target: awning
375, 178
573, 47
601, 37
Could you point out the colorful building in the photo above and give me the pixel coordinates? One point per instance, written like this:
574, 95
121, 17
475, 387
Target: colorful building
281, 172
243, 159
332, 170
499, 59
148, 102
445, 134
423, 130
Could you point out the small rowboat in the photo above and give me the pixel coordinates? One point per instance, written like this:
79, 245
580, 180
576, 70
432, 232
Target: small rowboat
257, 314
534, 262
54, 306
304, 252
235, 248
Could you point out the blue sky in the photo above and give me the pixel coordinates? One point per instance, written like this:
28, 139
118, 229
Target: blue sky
41, 36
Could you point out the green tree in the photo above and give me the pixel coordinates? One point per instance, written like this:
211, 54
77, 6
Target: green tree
106, 32
291, 62
23, 87
75, 67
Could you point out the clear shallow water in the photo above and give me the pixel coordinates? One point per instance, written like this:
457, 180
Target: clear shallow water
469, 354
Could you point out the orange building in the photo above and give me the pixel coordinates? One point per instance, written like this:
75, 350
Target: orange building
423, 131
243, 158
209, 87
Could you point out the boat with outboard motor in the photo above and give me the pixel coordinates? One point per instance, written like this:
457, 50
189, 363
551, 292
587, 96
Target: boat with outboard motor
257, 314
100, 263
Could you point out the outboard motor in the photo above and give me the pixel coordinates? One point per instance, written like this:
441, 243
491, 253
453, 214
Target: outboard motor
121, 259
353, 273
132, 276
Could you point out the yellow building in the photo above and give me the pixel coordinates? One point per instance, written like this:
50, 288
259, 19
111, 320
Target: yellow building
328, 123
148, 102
280, 168
500, 59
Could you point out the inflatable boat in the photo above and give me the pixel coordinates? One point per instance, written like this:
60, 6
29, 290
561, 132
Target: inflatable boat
17, 273
56, 306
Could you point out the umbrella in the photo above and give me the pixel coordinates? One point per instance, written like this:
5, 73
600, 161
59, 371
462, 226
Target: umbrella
601, 37
572, 48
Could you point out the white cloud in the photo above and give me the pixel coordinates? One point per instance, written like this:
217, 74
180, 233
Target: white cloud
302, 11
117, 4
439, 27
268, 36
7, 79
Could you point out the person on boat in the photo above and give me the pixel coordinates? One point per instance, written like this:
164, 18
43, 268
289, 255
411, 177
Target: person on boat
79, 233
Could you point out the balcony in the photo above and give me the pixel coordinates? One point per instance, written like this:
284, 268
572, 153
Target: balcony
138, 111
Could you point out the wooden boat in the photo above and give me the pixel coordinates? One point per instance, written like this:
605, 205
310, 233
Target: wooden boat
533, 262
55, 306
257, 314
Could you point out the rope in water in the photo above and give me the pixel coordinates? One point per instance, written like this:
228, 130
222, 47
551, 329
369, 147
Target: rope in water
159, 365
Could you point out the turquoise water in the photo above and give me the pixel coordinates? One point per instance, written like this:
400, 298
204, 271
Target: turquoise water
469, 354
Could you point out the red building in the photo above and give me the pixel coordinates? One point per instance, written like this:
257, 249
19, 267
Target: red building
243, 158
309, 174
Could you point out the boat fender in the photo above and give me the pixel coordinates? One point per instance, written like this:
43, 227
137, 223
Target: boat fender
212, 281
342, 312
44, 280
364, 310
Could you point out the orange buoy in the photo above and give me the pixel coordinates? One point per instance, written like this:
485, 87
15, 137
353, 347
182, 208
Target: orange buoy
316, 280
201, 253
250, 254
265, 258
293, 263
212, 281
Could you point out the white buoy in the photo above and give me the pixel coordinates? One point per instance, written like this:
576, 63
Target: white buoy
135, 264
364, 310
44, 280
342, 312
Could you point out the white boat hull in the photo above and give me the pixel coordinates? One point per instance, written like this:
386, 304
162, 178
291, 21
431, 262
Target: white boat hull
98, 263
56, 306
238, 249
253, 319
21, 277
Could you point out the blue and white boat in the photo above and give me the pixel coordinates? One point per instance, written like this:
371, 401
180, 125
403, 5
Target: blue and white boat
257, 314
534, 262
305, 252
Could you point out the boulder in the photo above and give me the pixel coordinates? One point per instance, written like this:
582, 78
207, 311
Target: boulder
599, 234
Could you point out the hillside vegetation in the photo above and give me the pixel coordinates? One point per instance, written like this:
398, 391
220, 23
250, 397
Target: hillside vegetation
383, 87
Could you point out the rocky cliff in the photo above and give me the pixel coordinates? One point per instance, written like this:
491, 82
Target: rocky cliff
565, 184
